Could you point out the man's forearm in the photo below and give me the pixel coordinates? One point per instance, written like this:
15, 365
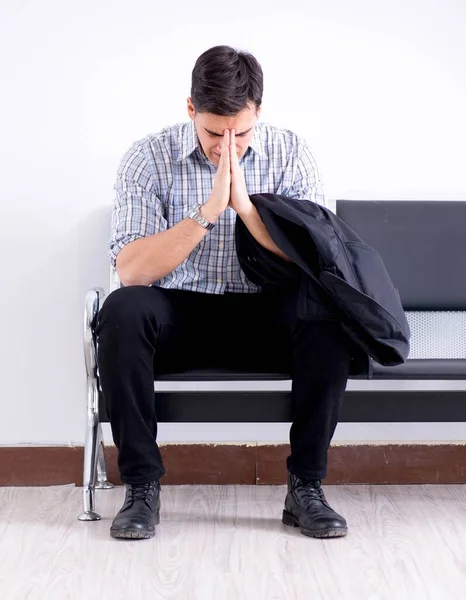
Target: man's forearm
148, 259
256, 227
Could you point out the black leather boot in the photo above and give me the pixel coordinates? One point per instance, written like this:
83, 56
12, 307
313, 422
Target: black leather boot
140, 512
307, 508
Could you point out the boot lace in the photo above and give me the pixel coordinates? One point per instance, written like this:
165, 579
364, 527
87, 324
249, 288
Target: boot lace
308, 491
139, 492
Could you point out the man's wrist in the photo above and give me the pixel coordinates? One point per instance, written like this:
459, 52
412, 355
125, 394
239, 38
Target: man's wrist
209, 213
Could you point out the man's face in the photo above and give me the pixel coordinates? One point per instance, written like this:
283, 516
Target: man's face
210, 128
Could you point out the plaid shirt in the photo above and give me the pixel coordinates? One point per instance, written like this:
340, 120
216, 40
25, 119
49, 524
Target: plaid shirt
163, 175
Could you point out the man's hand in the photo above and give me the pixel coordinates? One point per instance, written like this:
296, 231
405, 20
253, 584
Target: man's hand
220, 195
239, 197
241, 203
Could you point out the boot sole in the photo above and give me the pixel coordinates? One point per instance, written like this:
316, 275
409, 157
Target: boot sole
333, 532
132, 534
135, 534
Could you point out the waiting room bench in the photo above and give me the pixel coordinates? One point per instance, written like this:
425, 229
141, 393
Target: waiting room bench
423, 246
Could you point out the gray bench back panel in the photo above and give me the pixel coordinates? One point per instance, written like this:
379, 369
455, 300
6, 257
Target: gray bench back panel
423, 246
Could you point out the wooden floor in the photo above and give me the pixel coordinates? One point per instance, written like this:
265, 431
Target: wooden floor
228, 543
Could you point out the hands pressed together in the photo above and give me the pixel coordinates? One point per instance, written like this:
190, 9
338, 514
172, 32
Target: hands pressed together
229, 187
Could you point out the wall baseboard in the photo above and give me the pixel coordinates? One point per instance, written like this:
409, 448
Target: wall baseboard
220, 464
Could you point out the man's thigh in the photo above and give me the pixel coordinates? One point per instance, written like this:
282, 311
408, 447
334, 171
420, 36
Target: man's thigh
250, 332
261, 331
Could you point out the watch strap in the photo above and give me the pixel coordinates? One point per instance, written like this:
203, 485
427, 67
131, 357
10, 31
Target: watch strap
195, 214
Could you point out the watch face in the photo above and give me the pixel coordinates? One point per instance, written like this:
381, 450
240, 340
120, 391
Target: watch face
193, 212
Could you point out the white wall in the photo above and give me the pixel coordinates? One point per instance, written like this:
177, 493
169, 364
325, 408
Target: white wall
377, 87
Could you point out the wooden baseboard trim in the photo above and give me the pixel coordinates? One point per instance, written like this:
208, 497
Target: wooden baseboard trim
220, 464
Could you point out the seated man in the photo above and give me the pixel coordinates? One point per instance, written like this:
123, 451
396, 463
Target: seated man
187, 304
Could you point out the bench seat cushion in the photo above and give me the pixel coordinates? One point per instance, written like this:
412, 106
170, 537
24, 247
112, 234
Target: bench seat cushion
412, 369
445, 368
222, 375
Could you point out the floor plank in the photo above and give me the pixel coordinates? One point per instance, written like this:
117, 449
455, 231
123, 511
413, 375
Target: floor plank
228, 543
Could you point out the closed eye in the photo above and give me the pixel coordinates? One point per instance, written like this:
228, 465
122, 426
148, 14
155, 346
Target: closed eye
213, 134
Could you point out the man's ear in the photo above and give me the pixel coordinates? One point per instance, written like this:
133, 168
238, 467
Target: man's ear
191, 109
258, 111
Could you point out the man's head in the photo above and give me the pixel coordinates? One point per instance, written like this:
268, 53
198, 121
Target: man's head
226, 93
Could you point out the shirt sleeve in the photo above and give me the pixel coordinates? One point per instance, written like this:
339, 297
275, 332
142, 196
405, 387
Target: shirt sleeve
307, 183
137, 210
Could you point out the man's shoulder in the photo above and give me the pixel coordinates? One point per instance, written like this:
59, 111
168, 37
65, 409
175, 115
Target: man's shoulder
168, 139
165, 145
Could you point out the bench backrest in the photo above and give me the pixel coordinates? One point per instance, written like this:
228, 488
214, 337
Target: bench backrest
423, 246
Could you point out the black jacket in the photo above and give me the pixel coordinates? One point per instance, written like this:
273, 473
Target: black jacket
338, 275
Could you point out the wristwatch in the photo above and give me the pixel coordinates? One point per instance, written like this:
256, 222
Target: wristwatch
195, 214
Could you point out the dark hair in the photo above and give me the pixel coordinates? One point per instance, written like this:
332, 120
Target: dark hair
224, 81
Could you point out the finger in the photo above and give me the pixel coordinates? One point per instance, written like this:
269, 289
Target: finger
224, 161
233, 155
226, 141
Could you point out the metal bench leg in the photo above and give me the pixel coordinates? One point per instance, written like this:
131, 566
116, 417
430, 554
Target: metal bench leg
102, 481
93, 443
91, 452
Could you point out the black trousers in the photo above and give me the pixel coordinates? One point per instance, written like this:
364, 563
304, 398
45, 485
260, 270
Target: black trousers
143, 331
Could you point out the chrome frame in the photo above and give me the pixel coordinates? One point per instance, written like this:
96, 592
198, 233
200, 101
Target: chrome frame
95, 474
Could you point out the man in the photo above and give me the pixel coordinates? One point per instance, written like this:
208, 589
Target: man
186, 303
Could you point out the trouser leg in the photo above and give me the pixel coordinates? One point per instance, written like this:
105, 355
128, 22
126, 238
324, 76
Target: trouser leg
320, 369
145, 331
128, 329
